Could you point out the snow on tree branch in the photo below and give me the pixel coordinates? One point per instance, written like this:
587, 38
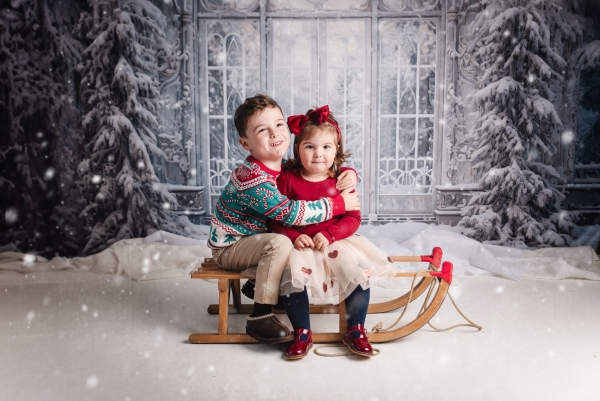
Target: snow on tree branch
120, 83
37, 52
518, 205
589, 56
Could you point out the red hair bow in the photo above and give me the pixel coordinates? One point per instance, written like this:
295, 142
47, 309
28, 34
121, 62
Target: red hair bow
317, 117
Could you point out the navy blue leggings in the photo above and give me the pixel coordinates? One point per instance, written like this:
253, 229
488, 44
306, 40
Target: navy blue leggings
296, 307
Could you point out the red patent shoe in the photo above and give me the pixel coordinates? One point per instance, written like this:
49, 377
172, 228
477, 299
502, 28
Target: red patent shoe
299, 348
356, 339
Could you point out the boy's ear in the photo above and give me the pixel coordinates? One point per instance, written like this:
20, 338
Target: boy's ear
245, 144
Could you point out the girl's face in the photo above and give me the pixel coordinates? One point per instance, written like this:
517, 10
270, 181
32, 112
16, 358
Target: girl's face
317, 154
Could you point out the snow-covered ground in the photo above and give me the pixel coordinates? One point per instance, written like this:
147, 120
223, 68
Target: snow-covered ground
71, 334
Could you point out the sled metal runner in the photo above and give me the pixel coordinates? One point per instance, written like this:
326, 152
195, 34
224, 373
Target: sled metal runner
229, 283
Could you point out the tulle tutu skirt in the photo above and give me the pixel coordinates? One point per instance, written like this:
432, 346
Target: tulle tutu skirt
331, 275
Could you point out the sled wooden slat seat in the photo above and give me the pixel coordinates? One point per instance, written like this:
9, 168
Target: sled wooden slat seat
229, 282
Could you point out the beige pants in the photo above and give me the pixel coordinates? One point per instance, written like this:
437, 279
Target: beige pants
269, 252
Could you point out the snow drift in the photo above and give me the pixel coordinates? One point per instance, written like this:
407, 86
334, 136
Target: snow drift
163, 255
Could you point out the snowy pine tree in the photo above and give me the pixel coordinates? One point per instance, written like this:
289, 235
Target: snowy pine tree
120, 90
518, 205
39, 120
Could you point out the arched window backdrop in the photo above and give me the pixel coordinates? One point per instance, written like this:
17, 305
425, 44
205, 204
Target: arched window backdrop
376, 69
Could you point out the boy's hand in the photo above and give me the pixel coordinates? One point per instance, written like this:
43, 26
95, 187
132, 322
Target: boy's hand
350, 200
320, 241
346, 180
304, 241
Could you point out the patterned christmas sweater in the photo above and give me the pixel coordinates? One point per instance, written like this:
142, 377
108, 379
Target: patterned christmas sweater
251, 198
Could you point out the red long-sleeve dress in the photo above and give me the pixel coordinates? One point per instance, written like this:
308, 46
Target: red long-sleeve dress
292, 185
348, 261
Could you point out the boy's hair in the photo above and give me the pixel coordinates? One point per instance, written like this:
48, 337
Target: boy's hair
250, 107
309, 130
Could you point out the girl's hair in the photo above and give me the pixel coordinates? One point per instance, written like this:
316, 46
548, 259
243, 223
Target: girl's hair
309, 130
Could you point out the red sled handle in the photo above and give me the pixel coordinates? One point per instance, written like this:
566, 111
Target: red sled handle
446, 273
435, 258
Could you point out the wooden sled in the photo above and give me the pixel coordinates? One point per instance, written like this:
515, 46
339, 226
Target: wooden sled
209, 267
229, 281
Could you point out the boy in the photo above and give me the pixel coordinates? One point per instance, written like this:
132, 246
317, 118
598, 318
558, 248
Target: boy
238, 233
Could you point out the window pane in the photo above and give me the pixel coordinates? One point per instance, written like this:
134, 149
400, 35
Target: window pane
252, 82
282, 91
235, 88
215, 92
425, 145
216, 51
408, 91
355, 85
389, 91
301, 95
252, 50
427, 43
233, 52
217, 139
399, 38
353, 144
346, 85
387, 137
217, 152
235, 150
426, 90
232, 75
292, 62
311, 5
406, 47
406, 137
336, 91
410, 5
228, 5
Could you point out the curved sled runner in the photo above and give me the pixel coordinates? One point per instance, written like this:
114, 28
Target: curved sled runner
230, 281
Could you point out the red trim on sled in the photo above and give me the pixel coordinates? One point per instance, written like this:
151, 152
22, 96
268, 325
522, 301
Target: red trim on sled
446, 273
435, 258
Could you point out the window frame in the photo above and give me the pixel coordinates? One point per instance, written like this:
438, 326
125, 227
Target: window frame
373, 17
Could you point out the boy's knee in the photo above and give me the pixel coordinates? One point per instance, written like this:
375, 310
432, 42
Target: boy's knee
281, 243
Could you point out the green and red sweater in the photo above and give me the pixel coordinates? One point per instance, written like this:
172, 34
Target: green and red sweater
251, 198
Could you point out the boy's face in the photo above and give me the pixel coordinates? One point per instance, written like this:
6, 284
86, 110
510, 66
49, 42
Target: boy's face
267, 137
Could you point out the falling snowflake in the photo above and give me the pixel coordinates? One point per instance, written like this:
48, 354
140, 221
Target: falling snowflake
11, 215
92, 382
49, 174
567, 137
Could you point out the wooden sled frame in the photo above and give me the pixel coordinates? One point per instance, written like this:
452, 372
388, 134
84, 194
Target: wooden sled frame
229, 281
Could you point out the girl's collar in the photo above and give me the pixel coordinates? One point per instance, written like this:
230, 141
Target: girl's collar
309, 181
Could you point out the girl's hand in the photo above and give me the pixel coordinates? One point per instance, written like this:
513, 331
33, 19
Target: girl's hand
304, 241
320, 241
347, 179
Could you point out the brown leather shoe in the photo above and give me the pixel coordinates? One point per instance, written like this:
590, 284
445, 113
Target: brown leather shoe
268, 329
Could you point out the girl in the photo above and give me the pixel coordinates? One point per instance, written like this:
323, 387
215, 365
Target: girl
328, 257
